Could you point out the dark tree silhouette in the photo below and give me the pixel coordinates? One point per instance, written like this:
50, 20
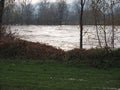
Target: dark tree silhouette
1, 10
82, 3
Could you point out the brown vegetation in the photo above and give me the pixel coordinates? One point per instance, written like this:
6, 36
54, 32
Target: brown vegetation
29, 50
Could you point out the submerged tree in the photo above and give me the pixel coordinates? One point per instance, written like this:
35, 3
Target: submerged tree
82, 4
96, 15
113, 4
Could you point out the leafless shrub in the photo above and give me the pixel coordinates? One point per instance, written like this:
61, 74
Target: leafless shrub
6, 33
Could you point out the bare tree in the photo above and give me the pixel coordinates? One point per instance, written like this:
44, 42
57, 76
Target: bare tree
96, 14
2, 4
82, 3
43, 12
8, 16
112, 6
103, 7
117, 15
1, 10
61, 10
26, 11
113, 23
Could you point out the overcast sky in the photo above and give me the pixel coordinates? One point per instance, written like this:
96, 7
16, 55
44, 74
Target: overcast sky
35, 1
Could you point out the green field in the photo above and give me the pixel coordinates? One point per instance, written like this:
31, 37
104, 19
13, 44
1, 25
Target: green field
36, 75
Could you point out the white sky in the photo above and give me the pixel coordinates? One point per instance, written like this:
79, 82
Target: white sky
35, 1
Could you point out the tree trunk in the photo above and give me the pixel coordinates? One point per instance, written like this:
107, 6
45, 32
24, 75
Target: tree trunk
81, 25
99, 41
113, 27
104, 30
96, 25
1, 10
95, 11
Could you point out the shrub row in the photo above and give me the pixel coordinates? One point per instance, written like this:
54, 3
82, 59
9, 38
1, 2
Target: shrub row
29, 50
100, 58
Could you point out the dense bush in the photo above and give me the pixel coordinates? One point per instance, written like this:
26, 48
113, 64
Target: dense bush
103, 59
29, 50
76, 54
100, 58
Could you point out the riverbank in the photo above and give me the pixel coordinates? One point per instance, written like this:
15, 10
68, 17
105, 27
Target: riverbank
20, 49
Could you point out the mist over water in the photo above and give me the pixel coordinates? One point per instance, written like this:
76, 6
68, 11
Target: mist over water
65, 37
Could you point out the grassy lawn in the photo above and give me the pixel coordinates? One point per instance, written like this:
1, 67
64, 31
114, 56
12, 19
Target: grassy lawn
35, 75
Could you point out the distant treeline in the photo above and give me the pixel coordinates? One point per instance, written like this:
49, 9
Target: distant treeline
47, 13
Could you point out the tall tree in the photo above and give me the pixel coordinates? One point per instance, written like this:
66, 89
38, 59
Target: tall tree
27, 11
96, 14
2, 4
82, 4
43, 12
112, 6
103, 8
62, 7
8, 16
1, 10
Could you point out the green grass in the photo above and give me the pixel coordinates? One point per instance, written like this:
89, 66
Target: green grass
36, 75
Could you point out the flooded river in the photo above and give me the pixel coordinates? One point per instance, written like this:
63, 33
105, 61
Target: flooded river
65, 37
